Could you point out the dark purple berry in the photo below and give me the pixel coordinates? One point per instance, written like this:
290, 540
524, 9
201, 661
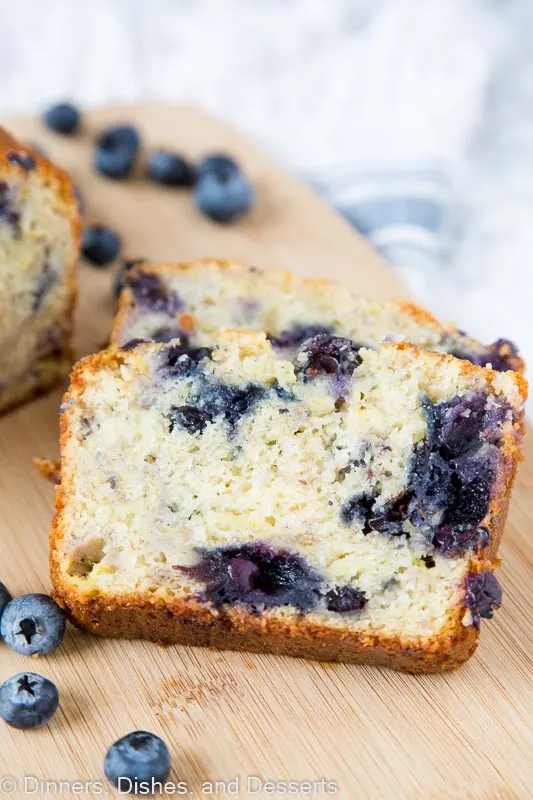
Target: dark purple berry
256, 574
483, 594
46, 278
450, 541
294, 336
150, 293
100, 245
178, 361
127, 264
63, 118
345, 600
23, 160
501, 355
170, 169
132, 344
28, 700
329, 355
8, 212
194, 420
137, 762
223, 193
358, 509
116, 151
33, 624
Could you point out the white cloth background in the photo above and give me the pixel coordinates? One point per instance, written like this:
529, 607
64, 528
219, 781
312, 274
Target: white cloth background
414, 117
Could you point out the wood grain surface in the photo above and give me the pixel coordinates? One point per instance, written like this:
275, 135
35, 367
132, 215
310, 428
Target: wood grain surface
226, 716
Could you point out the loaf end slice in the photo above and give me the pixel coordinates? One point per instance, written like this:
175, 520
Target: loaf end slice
39, 239
345, 504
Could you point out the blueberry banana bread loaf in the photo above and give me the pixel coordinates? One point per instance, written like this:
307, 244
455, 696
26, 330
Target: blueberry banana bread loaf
346, 504
192, 301
39, 239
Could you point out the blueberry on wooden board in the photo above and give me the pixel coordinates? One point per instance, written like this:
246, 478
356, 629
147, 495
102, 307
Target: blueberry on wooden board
62, 118
100, 245
170, 169
223, 193
116, 151
33, 624
138, 758
28, 700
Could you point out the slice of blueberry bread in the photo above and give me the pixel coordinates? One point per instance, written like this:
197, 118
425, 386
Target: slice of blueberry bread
39, 240
193, 301
343, 505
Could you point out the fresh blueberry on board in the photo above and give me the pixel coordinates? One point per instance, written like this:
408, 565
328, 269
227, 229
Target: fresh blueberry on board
5, 597
28, 700
100, 245
219, 163
170, 169
223, 193
116, 150
62, 118
33, 624
138, 758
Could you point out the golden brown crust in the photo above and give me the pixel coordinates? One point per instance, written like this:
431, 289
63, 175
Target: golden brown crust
187, 621
178, 621
62, 185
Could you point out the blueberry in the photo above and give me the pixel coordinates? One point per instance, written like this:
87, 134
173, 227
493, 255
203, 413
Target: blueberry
120, 281
62, 118
295, 335
23, 160
192, 419
100, 245
5, 597
135, 761
219, 163
170, 169
501, 355
150, 293
223, 193
28, 700
345, 600
256, 574
116, 151
33, 624
329, 355
358, 508
8, 211
132, 344
228, 401
169, 332
46, 278
483, 594
180, 361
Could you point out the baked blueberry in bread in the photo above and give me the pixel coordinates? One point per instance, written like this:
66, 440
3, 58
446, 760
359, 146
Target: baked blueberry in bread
39, 241
342, 504
192, 301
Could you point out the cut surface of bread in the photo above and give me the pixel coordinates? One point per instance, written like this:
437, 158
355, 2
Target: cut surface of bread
196, 299
39, 245
344, 504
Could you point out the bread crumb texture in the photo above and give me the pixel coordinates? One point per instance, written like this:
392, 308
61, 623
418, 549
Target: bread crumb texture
306, 485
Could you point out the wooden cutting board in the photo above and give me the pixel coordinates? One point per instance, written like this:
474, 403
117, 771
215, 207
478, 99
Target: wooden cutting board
226, 716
